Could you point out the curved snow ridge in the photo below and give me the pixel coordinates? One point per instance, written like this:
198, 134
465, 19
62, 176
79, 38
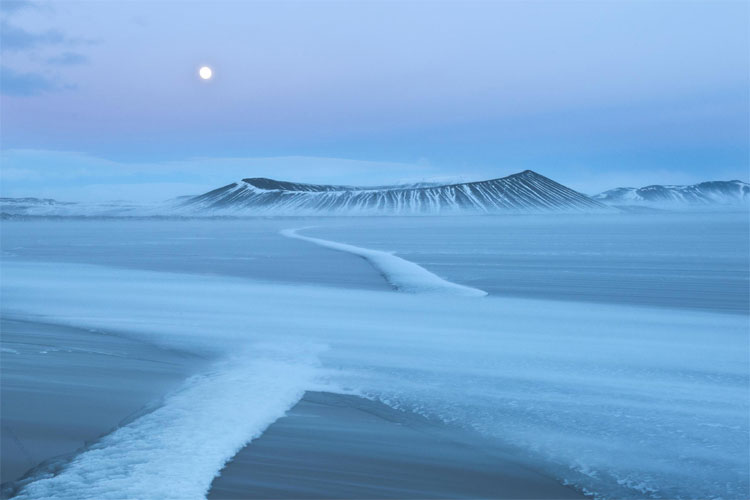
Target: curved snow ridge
175, 451
402, 274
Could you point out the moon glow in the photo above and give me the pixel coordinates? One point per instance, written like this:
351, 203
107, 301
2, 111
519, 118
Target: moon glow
205, 72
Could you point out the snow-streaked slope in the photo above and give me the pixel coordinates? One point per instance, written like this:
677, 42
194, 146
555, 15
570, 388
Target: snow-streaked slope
703, 194
403, 275
526, 192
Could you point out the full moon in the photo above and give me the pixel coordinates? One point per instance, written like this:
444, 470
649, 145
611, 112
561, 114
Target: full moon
205, 72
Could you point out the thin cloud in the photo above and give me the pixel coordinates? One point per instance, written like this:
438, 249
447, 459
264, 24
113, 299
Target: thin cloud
15, 38
13, 83
68, 59
11, 6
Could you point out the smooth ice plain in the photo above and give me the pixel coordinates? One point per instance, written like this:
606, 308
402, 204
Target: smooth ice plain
611, 351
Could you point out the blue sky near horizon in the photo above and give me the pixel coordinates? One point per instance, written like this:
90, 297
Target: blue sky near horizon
101, 100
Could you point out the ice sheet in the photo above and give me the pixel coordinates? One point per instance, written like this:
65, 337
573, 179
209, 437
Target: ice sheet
625, 402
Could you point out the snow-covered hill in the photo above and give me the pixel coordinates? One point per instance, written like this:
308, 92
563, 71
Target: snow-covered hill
526, 191
705, 194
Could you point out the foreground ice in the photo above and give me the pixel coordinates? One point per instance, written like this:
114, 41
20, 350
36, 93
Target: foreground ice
62, 387
174, 451
625, 402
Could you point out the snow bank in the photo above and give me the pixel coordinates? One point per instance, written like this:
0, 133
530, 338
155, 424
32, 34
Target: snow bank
405, 276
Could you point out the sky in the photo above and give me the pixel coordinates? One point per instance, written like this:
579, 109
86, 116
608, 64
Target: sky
102, 100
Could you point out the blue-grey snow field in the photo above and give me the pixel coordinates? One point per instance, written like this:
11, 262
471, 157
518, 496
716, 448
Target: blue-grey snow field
605, 351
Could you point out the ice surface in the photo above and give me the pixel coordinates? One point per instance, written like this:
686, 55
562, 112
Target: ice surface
405, 276
249, 248
69, 386
619, 400
176, 450
697, 261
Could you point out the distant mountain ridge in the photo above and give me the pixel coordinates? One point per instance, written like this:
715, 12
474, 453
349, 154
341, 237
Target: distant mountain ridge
47, 207
274, 185
524, 191
32, 206
712, 193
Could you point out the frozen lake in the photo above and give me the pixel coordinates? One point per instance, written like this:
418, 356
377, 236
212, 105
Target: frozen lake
691, 261
611, 351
